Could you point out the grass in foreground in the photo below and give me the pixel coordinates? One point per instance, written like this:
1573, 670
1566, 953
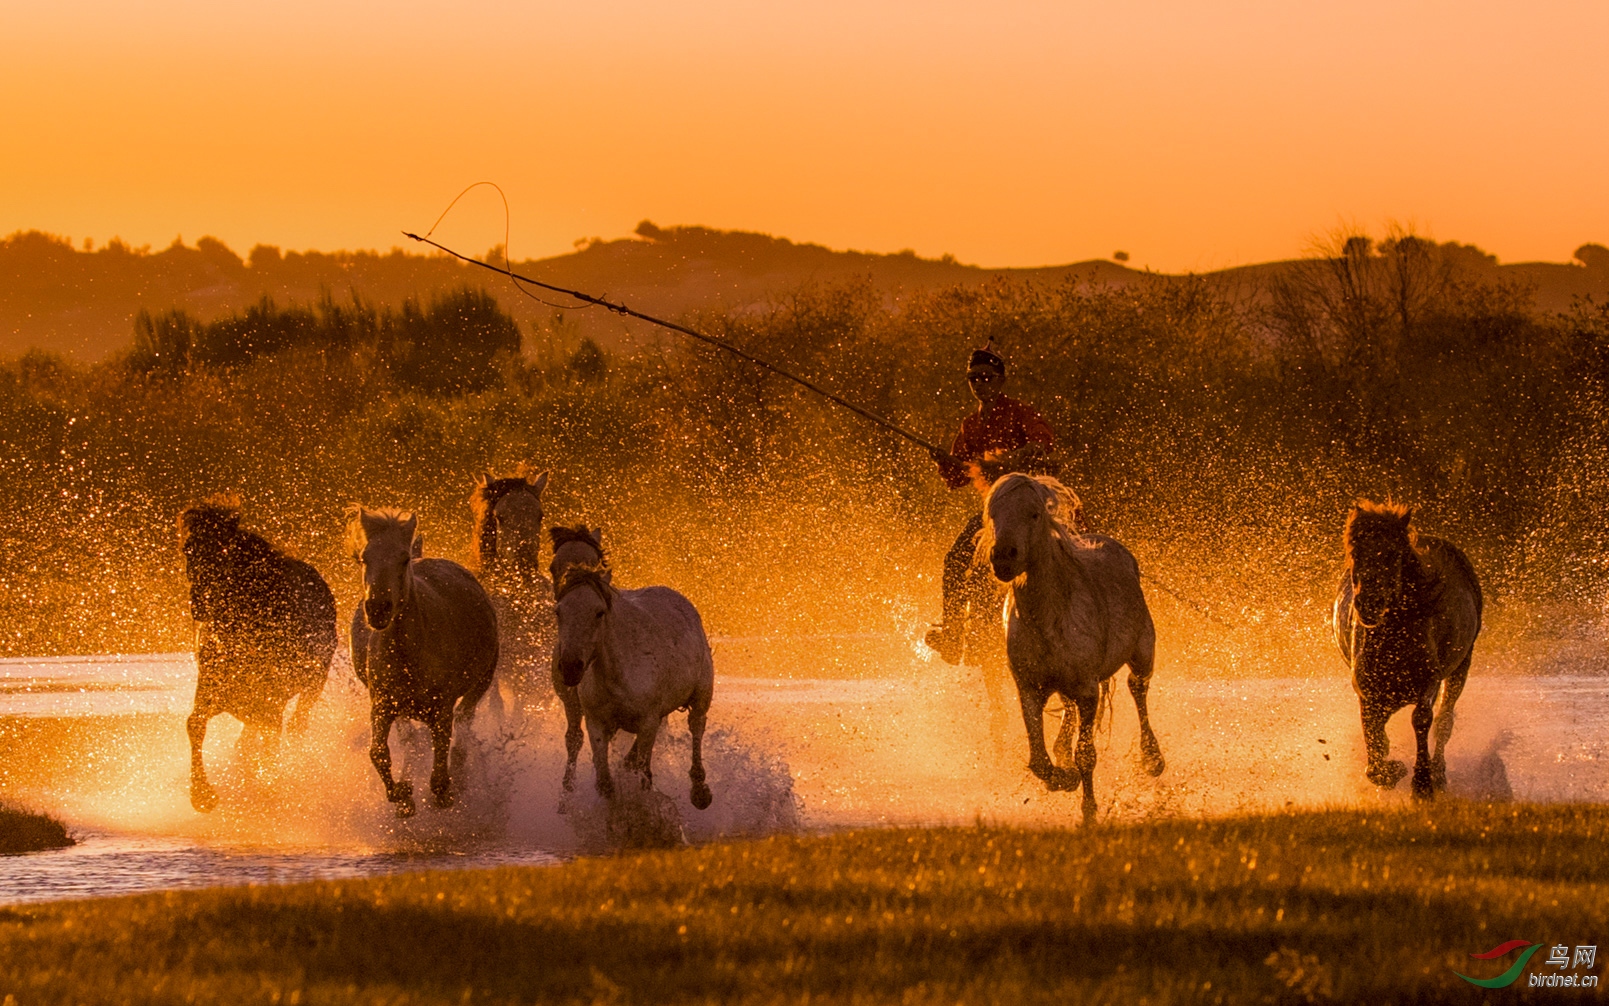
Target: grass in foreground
26, 831
1349, 906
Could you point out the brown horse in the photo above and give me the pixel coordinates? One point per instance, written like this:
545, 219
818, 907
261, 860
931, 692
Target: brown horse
580, 548
266, 635
1406, 617
508, 541
424, 642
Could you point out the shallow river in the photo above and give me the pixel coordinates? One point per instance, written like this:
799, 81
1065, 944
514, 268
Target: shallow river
100, 742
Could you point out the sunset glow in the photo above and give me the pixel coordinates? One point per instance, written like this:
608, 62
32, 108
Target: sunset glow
1193, 136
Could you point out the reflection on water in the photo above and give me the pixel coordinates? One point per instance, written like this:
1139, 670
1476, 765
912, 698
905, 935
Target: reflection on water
100, 742
103, 865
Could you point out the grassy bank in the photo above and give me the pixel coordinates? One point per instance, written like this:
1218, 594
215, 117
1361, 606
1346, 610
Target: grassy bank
1377, 906
25, 831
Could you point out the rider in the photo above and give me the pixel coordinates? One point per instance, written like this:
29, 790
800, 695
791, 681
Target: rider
1003, 436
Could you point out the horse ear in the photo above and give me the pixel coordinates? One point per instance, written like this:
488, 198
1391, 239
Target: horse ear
1407, 516
596, 534
417, 549
540, 484
484, 480
607, 576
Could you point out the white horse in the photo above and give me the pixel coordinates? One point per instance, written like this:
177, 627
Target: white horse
633, 657
1075, 615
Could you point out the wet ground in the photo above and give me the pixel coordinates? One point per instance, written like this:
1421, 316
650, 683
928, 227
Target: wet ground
99, 741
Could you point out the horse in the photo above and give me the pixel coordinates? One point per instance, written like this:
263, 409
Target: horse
1406, 616
1075, 614
633, 657
424, 642
266, 632
572, 546
508, 541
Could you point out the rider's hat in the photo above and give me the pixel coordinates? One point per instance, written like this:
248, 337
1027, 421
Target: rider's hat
985, 356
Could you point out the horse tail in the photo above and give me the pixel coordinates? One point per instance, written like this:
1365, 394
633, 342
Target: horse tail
1103, 709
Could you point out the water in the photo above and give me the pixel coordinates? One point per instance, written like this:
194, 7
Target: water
100, 742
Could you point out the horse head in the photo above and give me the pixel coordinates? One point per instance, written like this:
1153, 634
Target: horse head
208, 533
508, 520
1380, 558
584, 599
574, 546
1022, 514
386, 542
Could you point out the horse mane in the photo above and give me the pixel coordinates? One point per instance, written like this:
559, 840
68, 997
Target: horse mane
218, 518
1392, 521
584, 574
1063, 511
483, 504
355, 536
563, 536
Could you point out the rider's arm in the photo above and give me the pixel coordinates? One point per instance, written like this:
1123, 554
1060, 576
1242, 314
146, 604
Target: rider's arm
952, 467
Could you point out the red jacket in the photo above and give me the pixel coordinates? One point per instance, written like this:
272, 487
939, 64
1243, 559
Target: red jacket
986, 435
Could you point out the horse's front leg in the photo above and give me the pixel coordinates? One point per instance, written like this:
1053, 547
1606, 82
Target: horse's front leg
571, 700
202, 796
1383, 772
441, 742
640, 758
399, 793
1084, 756
1033, 719
1424, 711
599, 737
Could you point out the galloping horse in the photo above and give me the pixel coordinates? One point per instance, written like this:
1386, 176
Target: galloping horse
572, 546
634, 656
424, 642
508, 541
1406, 616
1076, 614
266, 636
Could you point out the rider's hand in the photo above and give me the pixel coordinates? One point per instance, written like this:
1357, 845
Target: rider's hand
940, 457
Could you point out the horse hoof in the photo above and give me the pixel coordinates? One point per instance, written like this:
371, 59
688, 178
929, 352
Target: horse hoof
1153, 764
203, 798
405, 808
444, 800
401, 792
1062, 781
702, 797
1388, 775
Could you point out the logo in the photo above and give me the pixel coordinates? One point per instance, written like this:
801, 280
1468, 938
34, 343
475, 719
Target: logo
1559, 957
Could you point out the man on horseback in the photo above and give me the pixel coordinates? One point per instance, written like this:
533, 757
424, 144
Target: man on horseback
1002, 437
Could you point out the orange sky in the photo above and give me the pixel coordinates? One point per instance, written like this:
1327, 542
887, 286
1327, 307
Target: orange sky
1194, 135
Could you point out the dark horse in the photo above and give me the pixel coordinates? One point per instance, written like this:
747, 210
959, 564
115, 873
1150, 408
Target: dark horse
572, 547
424, 642
266, 636
508, 541
1406, 617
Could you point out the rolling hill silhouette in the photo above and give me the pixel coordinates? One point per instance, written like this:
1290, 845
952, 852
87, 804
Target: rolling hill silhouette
81, 301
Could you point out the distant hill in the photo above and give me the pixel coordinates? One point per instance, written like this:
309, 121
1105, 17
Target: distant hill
82, 301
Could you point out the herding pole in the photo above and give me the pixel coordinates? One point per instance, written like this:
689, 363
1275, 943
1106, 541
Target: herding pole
622, 309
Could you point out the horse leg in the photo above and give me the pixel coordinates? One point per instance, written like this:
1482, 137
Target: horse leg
399, 793
305, 699
202, 796
697, 714
1062, 750
1140, 666
1039, 763
1084, 757
1380, 771
1423, 714
640, 758
441, 741
600, 738
572, 731
1445, 717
